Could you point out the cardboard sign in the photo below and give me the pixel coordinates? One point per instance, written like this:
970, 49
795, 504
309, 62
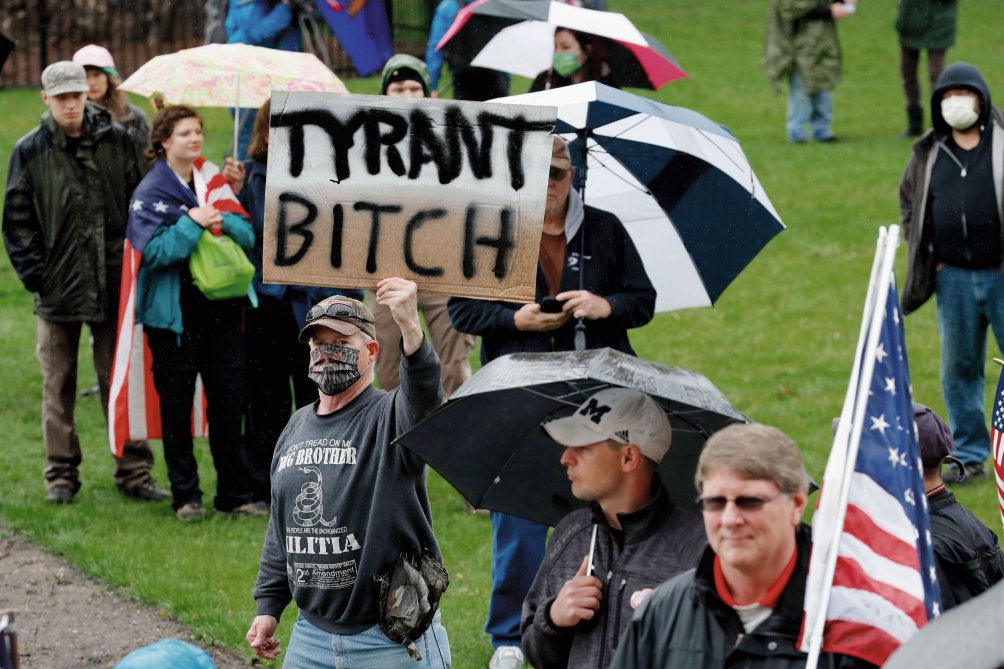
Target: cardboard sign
450, 195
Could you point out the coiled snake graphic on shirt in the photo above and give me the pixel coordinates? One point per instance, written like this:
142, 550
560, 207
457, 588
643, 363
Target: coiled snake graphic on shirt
309, 507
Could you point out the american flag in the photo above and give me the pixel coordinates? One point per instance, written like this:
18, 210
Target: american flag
884, 586
997, 440
133, 405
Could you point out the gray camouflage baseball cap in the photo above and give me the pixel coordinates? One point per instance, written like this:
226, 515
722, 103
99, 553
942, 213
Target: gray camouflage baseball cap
64, 77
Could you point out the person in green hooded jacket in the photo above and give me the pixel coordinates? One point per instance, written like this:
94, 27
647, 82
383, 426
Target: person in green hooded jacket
802, 49
923, 25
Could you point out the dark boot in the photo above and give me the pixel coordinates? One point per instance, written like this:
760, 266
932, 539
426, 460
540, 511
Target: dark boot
915, 123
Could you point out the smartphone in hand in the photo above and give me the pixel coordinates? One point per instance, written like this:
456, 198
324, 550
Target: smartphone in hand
550, 305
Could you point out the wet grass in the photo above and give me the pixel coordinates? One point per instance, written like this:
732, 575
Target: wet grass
779, 343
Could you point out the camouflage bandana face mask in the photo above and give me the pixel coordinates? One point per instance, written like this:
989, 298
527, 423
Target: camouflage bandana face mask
333, 376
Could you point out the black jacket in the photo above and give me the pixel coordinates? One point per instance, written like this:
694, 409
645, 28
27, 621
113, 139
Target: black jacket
64, 216
613, 270
685, 625
658, 542
967, 555
913, 190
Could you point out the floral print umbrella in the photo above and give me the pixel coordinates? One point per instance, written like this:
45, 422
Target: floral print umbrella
230, 75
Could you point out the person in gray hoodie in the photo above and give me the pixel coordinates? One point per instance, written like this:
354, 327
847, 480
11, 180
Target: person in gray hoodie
952, 207
603, 561
347, 503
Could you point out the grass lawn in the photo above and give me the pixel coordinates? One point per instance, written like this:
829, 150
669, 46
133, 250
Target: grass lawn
779, 343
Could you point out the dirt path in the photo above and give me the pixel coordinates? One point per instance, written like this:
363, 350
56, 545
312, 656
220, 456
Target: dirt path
67, 619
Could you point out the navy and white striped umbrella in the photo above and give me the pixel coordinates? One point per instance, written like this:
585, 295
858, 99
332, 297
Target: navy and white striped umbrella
679, 182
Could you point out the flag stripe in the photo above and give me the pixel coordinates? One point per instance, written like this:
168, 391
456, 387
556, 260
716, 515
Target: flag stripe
138, 390
884, 509
859, 525
896, 575
868, 608
118, 421
862, 641
852, 575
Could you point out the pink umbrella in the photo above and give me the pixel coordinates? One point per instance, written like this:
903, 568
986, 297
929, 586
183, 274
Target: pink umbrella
517, 36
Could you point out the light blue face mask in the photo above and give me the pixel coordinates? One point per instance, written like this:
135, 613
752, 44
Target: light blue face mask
566, 64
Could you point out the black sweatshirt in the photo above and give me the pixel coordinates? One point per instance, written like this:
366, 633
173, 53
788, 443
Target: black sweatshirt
346, 502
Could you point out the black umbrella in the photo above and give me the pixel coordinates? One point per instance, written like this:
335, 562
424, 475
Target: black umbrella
967, 636
487, 441
6, 48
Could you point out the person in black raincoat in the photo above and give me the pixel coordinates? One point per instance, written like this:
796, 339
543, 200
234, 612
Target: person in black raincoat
967, 555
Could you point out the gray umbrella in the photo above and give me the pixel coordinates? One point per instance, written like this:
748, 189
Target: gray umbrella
970, 635
487, 441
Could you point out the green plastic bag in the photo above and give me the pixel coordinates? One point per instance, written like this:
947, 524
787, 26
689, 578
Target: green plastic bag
220, 268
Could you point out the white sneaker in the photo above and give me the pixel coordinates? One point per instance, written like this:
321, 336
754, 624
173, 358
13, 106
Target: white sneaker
507, 657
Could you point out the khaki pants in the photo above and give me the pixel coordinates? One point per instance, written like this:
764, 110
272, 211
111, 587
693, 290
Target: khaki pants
453, 347
57, 348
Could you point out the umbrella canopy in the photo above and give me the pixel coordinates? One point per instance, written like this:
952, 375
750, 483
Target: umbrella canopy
679, 182
488, 443
967, 636
230, 75
518, 36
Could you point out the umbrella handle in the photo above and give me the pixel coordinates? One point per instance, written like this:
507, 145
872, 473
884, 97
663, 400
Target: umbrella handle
592, 551
237, 116
580, 335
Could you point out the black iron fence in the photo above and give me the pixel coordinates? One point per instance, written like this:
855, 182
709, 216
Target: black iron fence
135, 31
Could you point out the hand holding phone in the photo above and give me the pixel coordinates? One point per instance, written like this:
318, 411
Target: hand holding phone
550, 305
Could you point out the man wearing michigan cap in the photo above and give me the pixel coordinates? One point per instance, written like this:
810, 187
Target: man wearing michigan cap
591, 289
577, 608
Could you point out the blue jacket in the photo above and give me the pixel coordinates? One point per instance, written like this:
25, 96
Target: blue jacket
158, 286
446, 12
262, 23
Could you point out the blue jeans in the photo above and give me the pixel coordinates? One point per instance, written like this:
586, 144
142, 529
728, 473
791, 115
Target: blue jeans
816, 110
517, 551
313, 648
968, 301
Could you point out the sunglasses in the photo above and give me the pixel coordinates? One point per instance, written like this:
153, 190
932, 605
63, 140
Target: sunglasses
556, 174
336, 310
743, 503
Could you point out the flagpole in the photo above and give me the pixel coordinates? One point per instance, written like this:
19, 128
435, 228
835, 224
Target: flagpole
889, 244
997, 453
836, 461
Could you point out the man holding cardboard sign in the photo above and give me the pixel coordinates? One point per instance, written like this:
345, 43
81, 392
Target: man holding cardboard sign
591, 285
347, 504
406, 76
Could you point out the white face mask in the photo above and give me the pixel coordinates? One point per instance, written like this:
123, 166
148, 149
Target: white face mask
959, 111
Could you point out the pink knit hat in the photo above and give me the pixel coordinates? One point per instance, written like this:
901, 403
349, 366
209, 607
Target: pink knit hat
93, 55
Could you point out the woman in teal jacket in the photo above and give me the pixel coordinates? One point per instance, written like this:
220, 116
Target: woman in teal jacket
182, 198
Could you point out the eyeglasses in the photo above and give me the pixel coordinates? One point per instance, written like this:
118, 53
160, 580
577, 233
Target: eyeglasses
556, 174
743, 503
338, 310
